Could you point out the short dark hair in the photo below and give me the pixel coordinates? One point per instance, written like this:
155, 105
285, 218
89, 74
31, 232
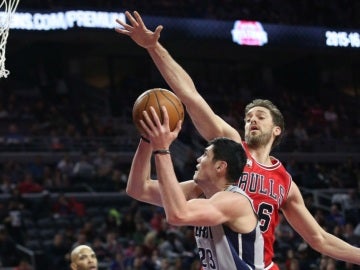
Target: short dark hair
233, 153
278, 118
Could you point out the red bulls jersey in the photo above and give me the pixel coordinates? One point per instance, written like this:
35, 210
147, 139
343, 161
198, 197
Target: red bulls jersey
268, 187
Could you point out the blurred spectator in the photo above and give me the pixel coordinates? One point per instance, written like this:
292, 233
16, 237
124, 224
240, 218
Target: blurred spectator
14, 138
350, 204
8, 251
3, 111
67, 207
349, 235
56, 143
65, 165
291, 262
112, 221
285, 235
335, 217
103, 163
330, 115
172, 247
141, 229
81, 239
301, 136
63, 207
102, 253
6, 186
89, 229
14, 222
84, 168
36, 168
112, 244
28, 185
24, 264
117, 262
56, 252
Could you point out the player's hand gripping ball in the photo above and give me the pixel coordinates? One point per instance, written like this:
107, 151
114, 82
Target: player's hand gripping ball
156, 98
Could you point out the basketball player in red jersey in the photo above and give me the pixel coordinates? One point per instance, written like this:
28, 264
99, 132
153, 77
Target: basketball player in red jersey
265, 179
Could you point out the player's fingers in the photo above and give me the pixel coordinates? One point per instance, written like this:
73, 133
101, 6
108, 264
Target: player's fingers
139, 19
165, 116
145, 128
131, 19
122, 31
178, 127
156, 119
148, 121
158, 30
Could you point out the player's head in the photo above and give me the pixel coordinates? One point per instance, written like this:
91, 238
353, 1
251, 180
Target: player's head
276, 115
83, 258
232, 153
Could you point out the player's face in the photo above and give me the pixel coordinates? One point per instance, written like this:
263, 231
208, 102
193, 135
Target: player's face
259, 127
86, 260
205, 165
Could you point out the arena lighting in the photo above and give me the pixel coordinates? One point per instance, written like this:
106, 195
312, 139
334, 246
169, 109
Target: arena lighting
240, 32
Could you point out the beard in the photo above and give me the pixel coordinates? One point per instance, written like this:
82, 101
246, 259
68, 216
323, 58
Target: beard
257, 140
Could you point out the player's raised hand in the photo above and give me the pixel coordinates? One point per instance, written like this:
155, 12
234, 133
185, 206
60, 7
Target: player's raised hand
138, 31
159, 132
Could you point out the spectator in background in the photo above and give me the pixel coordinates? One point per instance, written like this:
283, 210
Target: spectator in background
301, 136
117, 262
172, 247
24, 265
56, 253
3, 111
8, 251
67, 207
103, 163
335, 217
102, 253
285, 235
36, 168
63, 207
84, 168
14, 222
112, 244
28, 185
6, 186
81, 239
65, 165
14, 138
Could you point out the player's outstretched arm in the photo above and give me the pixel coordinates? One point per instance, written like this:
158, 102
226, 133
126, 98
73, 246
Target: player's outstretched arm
204, 118
304, 223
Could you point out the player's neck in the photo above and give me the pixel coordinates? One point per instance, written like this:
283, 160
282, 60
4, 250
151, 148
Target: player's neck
261, 155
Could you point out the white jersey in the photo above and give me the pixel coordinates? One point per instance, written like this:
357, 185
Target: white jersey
223, 249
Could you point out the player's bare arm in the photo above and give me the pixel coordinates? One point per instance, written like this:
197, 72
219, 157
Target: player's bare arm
206, 121
140, 186
304, 223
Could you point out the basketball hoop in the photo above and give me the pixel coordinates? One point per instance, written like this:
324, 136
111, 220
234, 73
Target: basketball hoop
7, 9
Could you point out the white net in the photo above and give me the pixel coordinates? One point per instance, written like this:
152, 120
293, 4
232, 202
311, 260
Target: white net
7, 9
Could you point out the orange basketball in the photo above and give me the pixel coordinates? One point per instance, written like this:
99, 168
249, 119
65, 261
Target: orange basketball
156, 98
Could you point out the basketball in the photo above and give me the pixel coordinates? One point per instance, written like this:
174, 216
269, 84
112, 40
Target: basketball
156, 98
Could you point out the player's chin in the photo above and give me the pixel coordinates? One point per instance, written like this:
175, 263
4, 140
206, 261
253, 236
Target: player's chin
195, 176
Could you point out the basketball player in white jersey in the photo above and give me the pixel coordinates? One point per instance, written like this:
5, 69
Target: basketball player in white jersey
227, 237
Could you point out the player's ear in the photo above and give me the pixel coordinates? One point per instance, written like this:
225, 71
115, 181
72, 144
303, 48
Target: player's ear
220, 165
277, 130
73, 266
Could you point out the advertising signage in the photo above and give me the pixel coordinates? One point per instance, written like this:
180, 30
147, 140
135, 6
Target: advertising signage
240, 32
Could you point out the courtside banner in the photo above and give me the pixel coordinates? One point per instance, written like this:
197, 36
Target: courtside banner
239, 32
